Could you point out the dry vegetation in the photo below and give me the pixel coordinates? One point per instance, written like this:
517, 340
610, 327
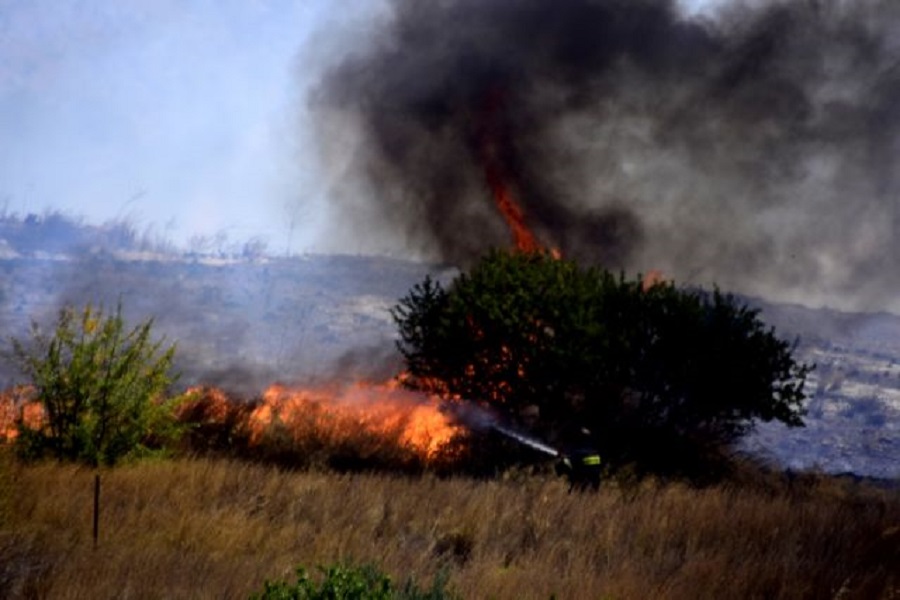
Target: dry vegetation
217, 528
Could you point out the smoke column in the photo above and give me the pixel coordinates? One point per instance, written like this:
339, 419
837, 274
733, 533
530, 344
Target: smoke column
756, 149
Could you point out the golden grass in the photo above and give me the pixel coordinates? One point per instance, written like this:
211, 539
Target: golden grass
204, 528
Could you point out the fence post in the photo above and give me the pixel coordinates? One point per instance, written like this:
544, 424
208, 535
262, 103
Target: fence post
96, 507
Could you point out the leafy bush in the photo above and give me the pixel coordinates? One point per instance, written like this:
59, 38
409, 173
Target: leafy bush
343, 582
101, 387
664, 377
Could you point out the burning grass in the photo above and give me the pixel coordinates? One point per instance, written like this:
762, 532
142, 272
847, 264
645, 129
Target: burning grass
408, 419
364, 426
18, 403
214, 526
220, 528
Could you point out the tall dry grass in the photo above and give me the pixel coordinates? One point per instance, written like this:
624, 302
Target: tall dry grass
214, 528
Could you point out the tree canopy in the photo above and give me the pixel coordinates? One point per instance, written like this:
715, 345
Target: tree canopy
661, 375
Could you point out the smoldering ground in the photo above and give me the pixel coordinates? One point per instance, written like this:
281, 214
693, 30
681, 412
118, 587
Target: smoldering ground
754, 148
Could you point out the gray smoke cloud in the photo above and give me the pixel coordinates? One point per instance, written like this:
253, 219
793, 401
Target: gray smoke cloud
756, 149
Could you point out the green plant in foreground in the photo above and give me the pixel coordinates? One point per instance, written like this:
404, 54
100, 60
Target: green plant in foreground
345, 582
101, 386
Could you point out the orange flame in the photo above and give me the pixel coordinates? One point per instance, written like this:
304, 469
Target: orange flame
15, 403
524, 239
652, 278
381, 409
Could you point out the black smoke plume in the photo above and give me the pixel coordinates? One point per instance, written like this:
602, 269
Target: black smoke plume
757, 148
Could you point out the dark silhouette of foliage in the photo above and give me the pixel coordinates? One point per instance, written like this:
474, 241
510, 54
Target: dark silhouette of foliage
664, 377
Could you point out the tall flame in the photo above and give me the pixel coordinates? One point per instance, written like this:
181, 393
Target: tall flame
524, 240
496, 176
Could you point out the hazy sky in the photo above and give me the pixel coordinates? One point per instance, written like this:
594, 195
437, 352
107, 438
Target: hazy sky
184, 116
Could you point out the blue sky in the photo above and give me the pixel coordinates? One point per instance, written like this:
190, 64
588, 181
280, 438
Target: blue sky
183, 116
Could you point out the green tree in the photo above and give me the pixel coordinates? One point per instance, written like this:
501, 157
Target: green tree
101, 386
661, 375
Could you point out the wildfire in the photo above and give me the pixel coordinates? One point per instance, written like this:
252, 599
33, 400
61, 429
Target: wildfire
524, 239
15, 403
652, 278
381, 413
379, 409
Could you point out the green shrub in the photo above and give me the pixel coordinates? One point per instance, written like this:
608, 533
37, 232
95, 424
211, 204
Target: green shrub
345, 582
101, 387
664, 377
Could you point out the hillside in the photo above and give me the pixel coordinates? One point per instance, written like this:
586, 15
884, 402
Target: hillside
243, 321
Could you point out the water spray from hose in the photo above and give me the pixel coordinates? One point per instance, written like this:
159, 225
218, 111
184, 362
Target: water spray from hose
478, 417
524, 439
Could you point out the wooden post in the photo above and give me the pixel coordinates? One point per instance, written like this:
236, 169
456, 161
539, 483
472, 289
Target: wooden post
96, 507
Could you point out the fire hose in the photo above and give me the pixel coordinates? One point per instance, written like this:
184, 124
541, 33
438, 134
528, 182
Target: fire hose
583, 471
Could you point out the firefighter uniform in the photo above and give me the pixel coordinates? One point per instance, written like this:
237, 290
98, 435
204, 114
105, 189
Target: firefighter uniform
582, 469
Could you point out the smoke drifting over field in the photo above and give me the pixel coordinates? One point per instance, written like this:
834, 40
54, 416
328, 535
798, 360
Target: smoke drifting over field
756, 150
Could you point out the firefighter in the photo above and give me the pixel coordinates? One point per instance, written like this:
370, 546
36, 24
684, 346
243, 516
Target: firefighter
581, 466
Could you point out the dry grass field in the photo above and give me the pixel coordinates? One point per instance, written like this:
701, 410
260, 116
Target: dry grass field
218, 528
